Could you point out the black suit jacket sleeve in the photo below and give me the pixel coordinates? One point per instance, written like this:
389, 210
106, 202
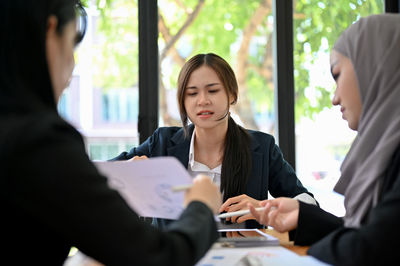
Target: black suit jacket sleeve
61, 190
313, 224
155, 145
373, 243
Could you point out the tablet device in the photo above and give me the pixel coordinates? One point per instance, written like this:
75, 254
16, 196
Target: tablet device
245, 238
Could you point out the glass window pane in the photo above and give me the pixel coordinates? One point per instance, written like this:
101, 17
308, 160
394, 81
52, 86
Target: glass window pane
240, 32
102, 99
322, 136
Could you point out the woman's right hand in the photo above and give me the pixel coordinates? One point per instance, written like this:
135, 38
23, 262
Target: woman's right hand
280, 213
206, 191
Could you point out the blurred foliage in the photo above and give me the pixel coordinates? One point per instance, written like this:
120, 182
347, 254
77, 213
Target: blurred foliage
219, 29
116, 44
321, 20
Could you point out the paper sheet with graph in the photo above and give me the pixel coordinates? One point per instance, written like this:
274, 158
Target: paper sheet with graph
146, 184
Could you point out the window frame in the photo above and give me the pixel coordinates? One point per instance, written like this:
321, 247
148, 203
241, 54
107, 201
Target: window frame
283, 71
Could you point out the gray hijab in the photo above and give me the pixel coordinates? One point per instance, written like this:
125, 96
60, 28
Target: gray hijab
373, 46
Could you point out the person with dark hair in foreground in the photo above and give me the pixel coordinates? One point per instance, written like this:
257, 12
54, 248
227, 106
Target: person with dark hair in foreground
53, 197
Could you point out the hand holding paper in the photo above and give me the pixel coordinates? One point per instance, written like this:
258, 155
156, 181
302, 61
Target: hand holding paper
146, 185
204, 190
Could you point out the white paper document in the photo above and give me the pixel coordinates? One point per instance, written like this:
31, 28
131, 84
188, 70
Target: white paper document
265, 256
146, 184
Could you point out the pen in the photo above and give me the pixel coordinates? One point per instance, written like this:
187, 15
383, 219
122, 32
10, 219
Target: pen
237, 213
223, 215
181, 187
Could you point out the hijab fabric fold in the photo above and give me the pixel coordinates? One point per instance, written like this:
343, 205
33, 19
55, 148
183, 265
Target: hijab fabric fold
372, 44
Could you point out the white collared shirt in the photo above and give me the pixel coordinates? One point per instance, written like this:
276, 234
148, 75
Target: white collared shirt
195, 168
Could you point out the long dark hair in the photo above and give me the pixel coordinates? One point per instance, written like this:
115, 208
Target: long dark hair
25, 83
236, 164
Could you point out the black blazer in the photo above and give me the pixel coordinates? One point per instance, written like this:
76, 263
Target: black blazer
270, 172
374, 243
53, 198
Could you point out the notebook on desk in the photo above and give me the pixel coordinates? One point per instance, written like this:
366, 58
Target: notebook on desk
245, 238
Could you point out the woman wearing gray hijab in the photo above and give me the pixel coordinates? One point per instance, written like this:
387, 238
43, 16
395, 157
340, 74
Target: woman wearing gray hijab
365, 63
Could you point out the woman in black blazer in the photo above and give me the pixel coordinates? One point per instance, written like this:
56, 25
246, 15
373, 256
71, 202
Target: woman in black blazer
52, 196
246, 164
365, 64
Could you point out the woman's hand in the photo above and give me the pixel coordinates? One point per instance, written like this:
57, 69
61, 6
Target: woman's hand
206, 191
281, 213
138, 158
239, 203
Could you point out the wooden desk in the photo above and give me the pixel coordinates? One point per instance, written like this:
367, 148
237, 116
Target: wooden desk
284, 242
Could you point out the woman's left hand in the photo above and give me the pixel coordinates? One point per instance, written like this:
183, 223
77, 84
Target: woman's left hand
239, 203
138, 158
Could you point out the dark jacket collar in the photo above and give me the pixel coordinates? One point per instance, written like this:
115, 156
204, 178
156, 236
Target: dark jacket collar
179, 137
182, 145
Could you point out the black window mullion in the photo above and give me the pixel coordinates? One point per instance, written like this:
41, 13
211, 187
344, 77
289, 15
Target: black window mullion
392, 6
148, 68
283, 78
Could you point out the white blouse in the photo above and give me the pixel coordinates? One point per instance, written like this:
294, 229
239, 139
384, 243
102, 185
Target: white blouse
196, 168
